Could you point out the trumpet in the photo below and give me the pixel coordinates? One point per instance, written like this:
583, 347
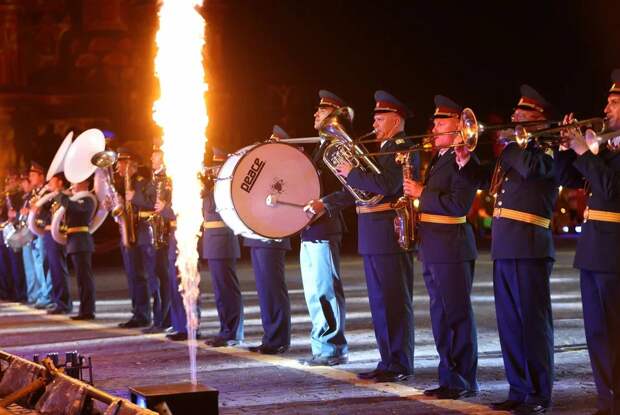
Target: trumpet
595, 140
548, 137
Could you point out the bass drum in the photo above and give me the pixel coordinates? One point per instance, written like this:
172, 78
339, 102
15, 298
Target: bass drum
260, 190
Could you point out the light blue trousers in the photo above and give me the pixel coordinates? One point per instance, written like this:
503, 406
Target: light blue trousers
32, 288
320, 273
43, 278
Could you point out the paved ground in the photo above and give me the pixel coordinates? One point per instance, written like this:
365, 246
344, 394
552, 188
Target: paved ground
254, 384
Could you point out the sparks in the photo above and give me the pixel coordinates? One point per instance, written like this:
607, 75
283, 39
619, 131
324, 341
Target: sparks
181, 112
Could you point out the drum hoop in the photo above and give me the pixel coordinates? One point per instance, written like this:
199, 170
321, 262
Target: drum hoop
235, 170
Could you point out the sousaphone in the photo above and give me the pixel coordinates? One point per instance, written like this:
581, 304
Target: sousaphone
77, 168
57, 166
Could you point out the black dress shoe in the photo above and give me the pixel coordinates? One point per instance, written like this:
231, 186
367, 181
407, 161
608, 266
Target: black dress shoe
262, 349
529, 408
318, 360
435, 391
133, 323
83, 317
180, 336
369, 375
57, 310
389, 376
152, 330
450, 393
219, 342
507, 405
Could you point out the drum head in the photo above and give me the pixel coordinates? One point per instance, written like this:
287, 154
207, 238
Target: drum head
270, 185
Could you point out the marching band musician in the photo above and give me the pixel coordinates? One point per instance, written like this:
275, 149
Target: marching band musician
220, 247
43, 283
388, 268
137, 256
448, 252
157, 270
80, 208
178, 316
525, 188
319, 259
275, 306
55, 252
13, 198
33, 287
596, 254
6, 280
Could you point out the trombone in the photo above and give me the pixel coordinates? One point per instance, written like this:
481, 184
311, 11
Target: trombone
469, 130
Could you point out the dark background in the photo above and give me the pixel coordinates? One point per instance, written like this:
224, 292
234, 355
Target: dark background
478, 53
75, 64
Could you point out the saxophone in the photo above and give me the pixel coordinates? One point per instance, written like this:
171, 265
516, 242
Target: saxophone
129, 236
406, 217
158, 228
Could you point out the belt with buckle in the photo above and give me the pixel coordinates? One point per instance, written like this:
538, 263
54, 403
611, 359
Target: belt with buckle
600, 215
77, 229
447, 220
521, 217
145, 214
383, 207
212, 224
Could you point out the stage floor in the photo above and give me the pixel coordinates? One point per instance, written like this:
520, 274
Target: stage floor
255, 384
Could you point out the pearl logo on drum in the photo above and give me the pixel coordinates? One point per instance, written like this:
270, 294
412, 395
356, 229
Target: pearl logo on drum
252, 175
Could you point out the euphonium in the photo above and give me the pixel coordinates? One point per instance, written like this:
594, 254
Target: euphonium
158, 229
405, 220
341, 148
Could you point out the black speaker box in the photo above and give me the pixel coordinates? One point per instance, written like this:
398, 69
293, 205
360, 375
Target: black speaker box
181, 398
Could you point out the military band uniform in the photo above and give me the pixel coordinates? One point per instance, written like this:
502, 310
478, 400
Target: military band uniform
155, 260
522, 250
220, 247
448, 253
15, 261
138, 260
80, 209
599, 269
33, 287
598, 260
319, 258
6, 276
388, 268
178, 316
275, 308
57, 262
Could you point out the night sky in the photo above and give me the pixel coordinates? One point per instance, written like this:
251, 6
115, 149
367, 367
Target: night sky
478, 53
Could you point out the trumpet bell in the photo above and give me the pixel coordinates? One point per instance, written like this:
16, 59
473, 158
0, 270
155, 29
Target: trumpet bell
592, 141
470, 129
78, 166
57, 165
522, 136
